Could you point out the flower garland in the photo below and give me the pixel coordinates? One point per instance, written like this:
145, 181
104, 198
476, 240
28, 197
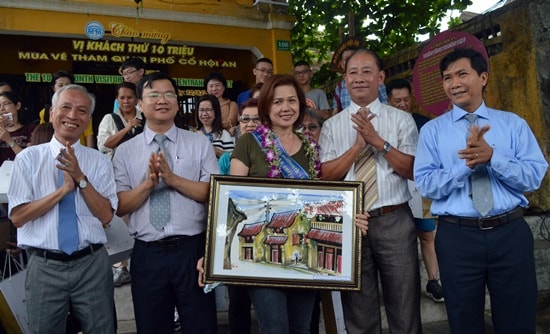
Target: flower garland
269, 146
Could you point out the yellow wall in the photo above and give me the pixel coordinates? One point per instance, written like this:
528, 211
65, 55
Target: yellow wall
242, 27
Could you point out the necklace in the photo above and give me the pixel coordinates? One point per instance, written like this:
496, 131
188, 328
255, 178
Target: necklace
269, 146
208, 134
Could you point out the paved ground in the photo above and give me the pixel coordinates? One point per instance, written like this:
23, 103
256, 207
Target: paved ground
126, 323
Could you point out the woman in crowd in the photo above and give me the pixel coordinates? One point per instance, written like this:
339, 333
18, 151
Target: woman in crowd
239, 302
209, 122
312, 124
277, 150
14, 136
248, 122
216, 84
116, 128
122, 125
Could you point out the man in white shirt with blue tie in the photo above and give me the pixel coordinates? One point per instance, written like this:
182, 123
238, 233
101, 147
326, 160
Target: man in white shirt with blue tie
61, 196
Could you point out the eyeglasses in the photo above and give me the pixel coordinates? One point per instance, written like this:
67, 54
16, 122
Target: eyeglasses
130, 72
300, 73
5, 105
205, 111
157, 96
265, 71
311, 127
248, 119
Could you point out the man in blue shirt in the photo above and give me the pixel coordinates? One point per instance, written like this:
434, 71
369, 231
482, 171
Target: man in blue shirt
493, 249
262, 71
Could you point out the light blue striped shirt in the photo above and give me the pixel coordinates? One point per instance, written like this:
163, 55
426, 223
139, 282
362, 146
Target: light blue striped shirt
35, 176
517, 164
191, 156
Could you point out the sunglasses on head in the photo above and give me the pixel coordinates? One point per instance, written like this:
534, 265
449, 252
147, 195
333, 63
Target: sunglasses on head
248, 119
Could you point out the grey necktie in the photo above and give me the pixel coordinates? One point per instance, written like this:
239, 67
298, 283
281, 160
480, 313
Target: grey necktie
482, 195
159, 201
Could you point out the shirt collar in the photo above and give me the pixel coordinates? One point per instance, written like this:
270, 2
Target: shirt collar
374, 106
56, 146
171, 134
458, 113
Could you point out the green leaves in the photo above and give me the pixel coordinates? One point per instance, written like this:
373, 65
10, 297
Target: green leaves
387, 26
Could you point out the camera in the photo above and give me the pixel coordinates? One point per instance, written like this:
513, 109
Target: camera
9, 116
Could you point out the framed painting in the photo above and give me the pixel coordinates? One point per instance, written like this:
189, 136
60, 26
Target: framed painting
283, 233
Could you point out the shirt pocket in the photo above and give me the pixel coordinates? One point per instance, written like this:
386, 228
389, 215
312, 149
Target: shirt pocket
187, 168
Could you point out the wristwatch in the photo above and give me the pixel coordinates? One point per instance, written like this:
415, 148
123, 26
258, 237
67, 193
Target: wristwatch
83, 183
387, 147
12, 144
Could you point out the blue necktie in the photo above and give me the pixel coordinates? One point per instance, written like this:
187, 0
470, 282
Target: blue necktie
68, 228
482, 195
159, 202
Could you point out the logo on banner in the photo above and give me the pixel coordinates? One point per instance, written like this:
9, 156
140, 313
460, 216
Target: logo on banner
94, 30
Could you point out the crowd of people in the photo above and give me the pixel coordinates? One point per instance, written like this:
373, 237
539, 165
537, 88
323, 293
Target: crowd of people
156, 176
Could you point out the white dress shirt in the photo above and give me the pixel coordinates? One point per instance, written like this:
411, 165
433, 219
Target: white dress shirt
35, 176
394, 126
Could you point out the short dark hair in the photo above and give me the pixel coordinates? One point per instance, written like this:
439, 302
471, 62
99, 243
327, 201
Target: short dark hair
217, 124
215, 76
136, 62
42, 133
301, 63
148, 80
477, 61
264, 60
313, 115
61, 74
12, 96
398, 84
257, 87
377, 58
126, 84
267, 95
3, 83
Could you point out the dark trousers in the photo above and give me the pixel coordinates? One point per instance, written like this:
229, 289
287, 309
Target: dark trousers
239, 309
164, 278
501, 259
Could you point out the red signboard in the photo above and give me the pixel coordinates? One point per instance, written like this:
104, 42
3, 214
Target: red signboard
426, 76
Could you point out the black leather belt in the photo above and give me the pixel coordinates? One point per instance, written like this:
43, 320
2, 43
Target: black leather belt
486, 223
173, 241
387, 209
60, 256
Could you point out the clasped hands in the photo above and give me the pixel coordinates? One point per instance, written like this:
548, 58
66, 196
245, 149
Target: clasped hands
366, 133
477, 150
68, 163
159, 168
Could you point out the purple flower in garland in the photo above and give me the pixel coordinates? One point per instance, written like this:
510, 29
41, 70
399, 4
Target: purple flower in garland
270, 156
312, 152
